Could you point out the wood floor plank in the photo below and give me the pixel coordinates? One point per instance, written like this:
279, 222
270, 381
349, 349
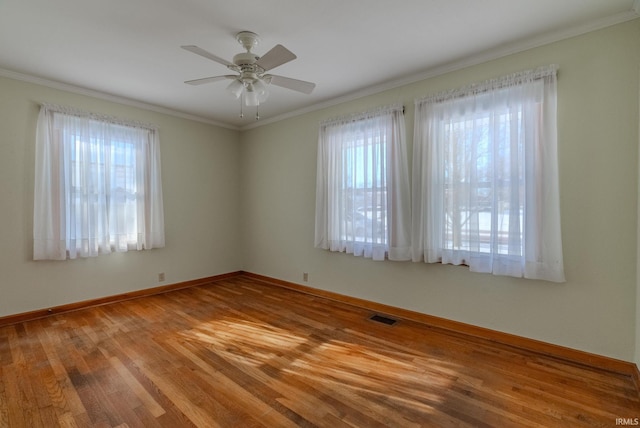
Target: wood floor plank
253, 405
154, 408
240, 352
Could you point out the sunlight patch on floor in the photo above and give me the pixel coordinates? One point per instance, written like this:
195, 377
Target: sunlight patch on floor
357, 368
252, 342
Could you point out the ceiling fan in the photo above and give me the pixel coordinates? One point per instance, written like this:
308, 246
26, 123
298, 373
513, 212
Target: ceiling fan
251, 80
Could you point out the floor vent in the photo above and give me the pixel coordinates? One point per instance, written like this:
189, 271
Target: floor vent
383, 319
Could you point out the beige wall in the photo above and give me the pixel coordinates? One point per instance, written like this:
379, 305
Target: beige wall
595, 310
200, 176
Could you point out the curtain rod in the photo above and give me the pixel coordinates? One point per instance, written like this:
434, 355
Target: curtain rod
496, 83
355, 117
73, 111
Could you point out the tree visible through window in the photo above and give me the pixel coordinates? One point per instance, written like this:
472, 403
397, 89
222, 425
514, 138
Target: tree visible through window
484, 192
485, 177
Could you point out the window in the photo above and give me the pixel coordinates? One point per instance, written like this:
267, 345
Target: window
98, 185
483, 193
363, 185
485, 181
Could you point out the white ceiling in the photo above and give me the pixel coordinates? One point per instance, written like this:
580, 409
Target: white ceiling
131, 48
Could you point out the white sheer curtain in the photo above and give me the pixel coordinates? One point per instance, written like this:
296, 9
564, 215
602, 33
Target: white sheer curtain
485, 177
97, 185
362, 190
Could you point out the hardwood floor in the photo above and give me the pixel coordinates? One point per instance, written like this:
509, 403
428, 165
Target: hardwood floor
241, 353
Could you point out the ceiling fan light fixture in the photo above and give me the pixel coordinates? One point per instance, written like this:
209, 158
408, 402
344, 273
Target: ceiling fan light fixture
235, 88
261, 89
251, 96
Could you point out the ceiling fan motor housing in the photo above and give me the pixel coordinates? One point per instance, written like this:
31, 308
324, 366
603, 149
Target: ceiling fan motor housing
245, 58
246, 66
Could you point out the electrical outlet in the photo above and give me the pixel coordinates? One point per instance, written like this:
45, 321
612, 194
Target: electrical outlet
161, 277
305, 277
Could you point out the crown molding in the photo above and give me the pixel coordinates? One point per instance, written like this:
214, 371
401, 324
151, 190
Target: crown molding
482, 57
109, 97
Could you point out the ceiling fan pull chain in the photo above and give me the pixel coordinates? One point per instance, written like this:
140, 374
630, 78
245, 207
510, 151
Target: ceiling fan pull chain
241, 113
257, 112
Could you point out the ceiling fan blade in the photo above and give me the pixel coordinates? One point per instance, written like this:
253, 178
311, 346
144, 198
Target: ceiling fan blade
210, 79
289, 83
278, 55
199, 51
